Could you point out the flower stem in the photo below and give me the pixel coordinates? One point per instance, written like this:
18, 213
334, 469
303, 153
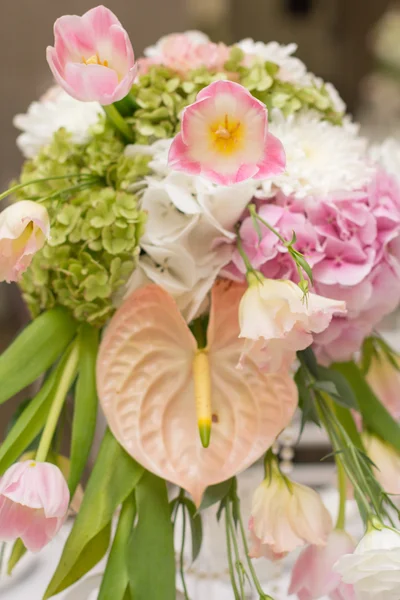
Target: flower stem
243, 254
67, 377
119, 123
181, 565
342, 488
20, 186
229, 550
238, 563
255, 215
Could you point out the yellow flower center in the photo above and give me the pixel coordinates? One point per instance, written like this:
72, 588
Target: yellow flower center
227, 135
94, 60
19, 243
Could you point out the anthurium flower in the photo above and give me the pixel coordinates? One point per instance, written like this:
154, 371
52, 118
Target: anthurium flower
286, 515
224, 137
151, 377
277, 319
24, 228
92, 57
34, 500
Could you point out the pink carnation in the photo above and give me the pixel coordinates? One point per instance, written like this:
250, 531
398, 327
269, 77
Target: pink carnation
351, 240
183, 52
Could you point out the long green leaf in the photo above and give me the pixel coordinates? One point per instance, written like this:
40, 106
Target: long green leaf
115, 580
114, 476
374, 414
151, 557
215, 493
34, 351
196, 527
85, 407
31, 421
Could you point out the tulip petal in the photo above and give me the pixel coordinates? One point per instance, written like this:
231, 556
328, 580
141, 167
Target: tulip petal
89, 81
146, 388
274, 159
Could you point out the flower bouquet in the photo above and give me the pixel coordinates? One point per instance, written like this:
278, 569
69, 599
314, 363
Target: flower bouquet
205, 245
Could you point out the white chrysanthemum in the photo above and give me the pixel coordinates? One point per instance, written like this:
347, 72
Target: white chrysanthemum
321, 158
197, 37
387, 155
57, 109
291, 68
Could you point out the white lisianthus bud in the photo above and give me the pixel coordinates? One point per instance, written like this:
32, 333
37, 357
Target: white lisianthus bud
278, 319
374, 567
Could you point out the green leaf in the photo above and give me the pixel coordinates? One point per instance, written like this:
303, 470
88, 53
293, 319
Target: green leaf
34, 351
17, 552
343, 393
309, 412
115, 580
196, 527
32, 420
114, 476
374, 414
216, 493
85, 406
151, 556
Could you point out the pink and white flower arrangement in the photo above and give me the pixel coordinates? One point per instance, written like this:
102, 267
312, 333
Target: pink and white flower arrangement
203, 248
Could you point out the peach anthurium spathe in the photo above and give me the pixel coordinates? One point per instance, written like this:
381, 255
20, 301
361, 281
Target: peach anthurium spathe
225, 137
146, 387
92, 57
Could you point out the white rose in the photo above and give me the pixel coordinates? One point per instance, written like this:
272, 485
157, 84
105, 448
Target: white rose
374, 568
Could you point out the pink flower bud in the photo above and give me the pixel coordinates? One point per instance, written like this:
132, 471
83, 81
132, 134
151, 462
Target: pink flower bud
313, 576
34, 500
92, 57
24, 228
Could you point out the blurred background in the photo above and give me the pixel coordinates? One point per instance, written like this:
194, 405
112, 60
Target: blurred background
352, 43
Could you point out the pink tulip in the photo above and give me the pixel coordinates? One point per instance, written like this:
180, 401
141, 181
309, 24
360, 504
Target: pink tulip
34, 500
286, 515
313, 576
24, 228
92, 58
225, 137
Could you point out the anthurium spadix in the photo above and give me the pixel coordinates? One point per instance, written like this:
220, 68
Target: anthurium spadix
148, 375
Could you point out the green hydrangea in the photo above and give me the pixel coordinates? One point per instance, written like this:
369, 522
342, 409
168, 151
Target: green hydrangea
161, 95
96, 223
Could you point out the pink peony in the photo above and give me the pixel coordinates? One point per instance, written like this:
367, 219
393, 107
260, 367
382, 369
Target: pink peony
313, 576
34, 500
183, 52
351, 241
92, 58
225, 137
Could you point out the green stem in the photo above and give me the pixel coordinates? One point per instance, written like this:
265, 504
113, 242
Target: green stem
66, 380
342, 488
229, 550
243, 254
254, 214
199, 332
181, 565
19, 186
79, 187
236, 550
119, 123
